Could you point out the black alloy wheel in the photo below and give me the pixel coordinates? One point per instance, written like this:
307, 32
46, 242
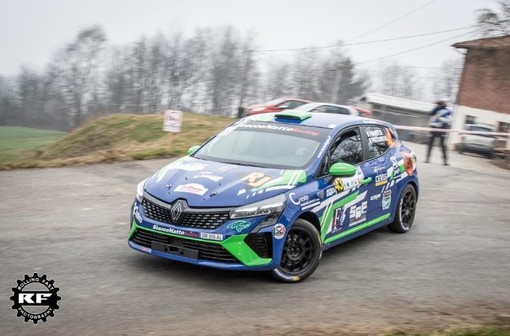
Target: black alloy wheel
406, 210
301, 253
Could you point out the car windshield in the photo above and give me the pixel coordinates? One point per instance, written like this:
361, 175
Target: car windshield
265, 145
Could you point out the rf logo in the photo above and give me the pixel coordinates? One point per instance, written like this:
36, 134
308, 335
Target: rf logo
35, 298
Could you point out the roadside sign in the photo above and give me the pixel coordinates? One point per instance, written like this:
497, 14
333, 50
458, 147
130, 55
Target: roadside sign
172, 121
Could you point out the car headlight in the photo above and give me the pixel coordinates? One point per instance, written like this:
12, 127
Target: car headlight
270, 206
139, 190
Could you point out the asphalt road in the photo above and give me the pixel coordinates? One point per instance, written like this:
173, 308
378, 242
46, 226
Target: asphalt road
452, 269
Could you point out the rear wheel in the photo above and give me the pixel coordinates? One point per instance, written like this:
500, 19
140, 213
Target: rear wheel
301, 253
406, 210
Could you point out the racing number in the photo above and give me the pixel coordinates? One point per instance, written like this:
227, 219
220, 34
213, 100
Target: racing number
255, 179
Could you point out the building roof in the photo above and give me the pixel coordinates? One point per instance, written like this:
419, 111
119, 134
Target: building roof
499, 42
398, 102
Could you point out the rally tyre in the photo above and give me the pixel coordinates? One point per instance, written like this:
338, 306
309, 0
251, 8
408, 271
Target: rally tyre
406, 209
301, 253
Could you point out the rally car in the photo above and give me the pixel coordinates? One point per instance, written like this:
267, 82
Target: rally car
273, 191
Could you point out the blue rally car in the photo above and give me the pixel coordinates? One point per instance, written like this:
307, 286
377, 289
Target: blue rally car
272, 191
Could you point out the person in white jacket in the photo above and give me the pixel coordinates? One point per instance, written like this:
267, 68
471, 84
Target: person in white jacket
440, 118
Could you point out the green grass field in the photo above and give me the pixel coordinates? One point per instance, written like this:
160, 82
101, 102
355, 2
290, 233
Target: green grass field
116, 137
17, 143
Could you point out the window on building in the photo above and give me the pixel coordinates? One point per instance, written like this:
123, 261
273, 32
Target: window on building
503, 127
470, 120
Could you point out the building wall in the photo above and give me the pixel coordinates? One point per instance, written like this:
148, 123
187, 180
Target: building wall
482, 117
485, 80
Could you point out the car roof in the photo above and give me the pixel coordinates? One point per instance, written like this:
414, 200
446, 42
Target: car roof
323, 104
316, 119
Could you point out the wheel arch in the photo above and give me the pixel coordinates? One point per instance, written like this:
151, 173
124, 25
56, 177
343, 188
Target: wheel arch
312, 218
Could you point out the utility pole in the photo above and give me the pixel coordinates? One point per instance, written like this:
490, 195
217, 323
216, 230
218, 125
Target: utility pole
336, 83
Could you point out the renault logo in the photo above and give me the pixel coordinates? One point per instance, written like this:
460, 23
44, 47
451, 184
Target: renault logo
176, 211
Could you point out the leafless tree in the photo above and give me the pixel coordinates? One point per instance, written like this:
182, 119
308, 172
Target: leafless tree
75, 67
493, 23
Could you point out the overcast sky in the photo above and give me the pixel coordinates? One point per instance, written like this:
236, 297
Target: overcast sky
31, 30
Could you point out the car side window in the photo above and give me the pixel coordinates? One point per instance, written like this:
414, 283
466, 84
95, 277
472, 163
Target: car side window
348, 150
378, 141
338, 110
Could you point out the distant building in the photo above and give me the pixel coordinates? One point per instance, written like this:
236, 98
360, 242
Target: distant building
399, 111
484, 91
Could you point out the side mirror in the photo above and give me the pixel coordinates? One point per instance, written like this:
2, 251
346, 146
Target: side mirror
342, 169
193, 149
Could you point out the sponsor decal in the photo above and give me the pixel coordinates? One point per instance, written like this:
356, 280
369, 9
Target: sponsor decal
375, 197
408, 163
381, 179
240, 192
288, 180
191, 167
331, 126
339, 184
281, 128
255, 179
175, 231
211, 236
32, 303
226, 168
303, 201
358, 213
136, 214
324, 146
279, 231
239, 226
192, 188
227, 131
338, 219
330, 192
391, 140
386, 200
214, 178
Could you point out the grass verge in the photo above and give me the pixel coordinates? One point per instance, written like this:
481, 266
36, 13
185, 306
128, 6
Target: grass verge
17, 143
120, 137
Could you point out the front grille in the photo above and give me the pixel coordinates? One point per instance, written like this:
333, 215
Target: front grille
261, 244
206, 251
209, 220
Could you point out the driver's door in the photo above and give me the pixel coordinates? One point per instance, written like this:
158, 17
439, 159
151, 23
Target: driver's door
346, 201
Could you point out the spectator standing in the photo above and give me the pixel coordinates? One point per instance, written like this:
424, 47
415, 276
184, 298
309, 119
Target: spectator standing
440, 118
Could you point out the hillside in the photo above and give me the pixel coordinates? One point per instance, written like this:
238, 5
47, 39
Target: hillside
121, 137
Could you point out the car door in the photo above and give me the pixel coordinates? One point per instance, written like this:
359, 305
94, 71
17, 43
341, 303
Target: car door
381, 167
346, 202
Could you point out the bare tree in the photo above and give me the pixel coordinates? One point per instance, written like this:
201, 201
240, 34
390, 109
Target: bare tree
75, 67
493, 23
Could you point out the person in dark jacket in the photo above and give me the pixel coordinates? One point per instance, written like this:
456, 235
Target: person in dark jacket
440, 118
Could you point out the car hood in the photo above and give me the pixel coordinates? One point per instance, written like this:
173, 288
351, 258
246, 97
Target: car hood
214, 184
251, 107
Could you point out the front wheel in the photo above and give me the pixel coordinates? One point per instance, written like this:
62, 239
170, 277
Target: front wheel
301, 253
406, 210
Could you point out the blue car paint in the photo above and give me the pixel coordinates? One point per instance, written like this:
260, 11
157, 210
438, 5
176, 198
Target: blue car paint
224, 193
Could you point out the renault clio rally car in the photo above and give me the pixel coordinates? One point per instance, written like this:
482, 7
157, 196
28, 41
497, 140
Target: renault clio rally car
273, 191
